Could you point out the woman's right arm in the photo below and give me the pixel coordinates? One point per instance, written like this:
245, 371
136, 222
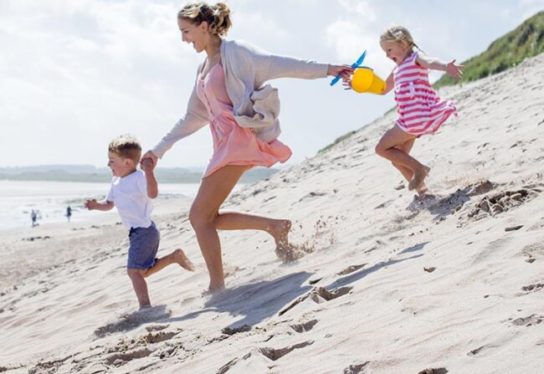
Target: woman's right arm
195, 118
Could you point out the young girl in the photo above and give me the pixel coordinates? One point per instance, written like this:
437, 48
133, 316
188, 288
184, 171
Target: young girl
420, 110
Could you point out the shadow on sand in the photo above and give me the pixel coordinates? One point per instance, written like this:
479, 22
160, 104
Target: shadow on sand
254, 302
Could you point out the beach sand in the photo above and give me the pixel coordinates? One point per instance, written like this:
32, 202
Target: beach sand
386, 282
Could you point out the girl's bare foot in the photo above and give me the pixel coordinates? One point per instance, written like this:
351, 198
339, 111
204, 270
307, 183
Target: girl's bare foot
419, 178
422, 189
182, 260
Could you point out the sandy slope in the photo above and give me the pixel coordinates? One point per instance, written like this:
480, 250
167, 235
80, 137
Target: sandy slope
387, 283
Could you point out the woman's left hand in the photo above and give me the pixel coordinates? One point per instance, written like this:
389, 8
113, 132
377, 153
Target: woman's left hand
344, 71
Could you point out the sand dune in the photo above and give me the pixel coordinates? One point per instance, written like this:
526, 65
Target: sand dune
386, 283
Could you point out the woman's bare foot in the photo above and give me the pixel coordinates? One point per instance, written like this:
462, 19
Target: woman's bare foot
280, 232
182, 260
419, 178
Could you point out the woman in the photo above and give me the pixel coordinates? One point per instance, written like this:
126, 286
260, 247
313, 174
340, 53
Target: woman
230, 95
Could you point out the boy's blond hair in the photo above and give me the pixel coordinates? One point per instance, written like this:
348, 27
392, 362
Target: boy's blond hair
126, 146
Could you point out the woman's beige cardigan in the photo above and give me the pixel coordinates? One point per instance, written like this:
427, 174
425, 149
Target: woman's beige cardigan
255, 105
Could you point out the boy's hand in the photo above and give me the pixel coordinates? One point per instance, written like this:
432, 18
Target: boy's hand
147, 165
149, 155
454, 70
91, 204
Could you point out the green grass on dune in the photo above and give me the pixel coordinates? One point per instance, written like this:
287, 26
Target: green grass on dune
527, 40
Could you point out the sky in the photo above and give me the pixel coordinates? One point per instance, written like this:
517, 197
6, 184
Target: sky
76, 74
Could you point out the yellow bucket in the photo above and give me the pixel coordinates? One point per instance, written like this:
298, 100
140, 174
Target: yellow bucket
364, 80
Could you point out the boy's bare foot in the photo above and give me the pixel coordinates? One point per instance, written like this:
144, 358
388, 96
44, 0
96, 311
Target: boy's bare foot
419, 178
182, 260
213, 291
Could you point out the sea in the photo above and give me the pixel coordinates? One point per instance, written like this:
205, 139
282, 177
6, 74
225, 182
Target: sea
50, 200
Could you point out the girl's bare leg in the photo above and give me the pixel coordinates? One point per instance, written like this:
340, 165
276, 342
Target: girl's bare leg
407, 173
205, 219
388, 147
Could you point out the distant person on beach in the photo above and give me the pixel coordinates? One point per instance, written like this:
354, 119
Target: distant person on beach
34, 217
420, 110
131, 192
68, 213
230, 94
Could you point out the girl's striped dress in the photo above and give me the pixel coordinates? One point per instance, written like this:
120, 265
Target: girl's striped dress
420, 109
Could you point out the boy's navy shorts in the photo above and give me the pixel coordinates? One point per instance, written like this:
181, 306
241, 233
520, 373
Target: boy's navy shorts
144, 244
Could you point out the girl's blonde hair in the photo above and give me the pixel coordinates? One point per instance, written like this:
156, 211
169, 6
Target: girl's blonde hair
217, 16
398, 34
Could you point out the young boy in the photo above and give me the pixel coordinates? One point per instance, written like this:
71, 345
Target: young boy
131, 192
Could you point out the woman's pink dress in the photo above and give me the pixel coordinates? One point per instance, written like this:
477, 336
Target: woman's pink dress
232, 144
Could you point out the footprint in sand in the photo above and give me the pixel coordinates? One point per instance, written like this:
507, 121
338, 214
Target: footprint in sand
356, 368
442, 207
120, 359
531, 320
318, 295
477, 351
532, 251
48, 366
223, 369
500, 202
533, 287
305, 326
159, 337
434, 371
273, 354
350, 269
235, 330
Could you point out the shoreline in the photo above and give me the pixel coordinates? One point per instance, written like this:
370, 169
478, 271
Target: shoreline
57, 243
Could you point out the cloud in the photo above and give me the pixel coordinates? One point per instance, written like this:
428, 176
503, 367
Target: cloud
87, 70
361, 8
258, 25
358, 29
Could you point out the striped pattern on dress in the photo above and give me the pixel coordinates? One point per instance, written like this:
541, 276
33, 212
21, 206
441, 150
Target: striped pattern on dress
419, 108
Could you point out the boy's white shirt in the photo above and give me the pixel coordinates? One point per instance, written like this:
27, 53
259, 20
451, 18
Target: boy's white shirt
255, 105
129, 195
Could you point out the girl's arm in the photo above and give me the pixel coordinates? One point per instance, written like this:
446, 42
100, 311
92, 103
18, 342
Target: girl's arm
389, 84
450, 68
92, 204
